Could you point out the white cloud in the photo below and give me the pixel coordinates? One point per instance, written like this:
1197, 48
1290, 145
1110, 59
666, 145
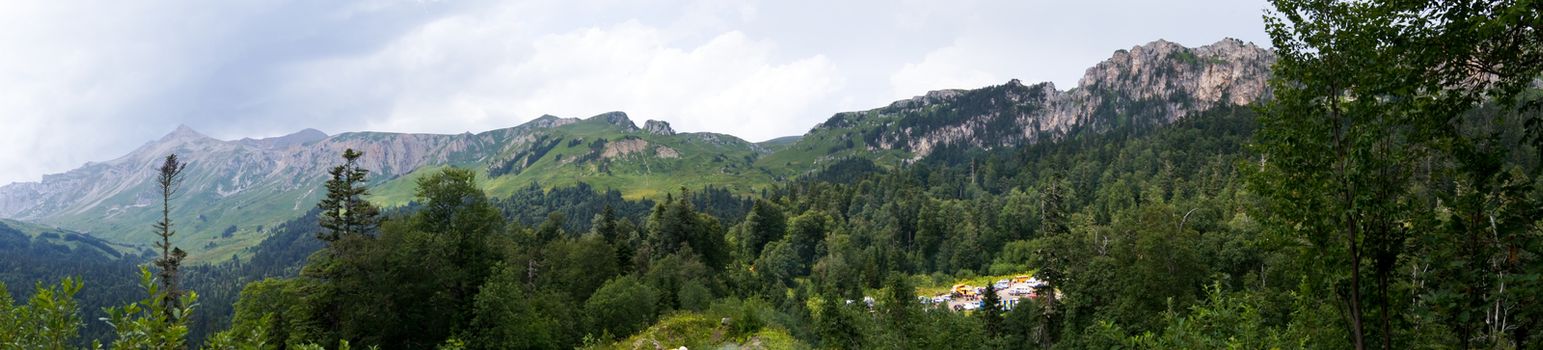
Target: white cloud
53, 90
88, 81
469, 74
951, 67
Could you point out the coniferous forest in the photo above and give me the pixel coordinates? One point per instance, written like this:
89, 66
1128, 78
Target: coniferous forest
1387, 194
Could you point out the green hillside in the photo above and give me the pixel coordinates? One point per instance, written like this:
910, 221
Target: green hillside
18, 233
605, 155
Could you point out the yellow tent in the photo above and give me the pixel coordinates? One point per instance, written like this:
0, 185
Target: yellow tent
964, 289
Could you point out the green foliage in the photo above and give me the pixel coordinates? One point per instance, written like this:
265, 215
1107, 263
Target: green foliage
170, 262
1223, 321
990, 312
509, 315
675, 225
764, 224
254, 337
49, 320
271, 312
622, 306
578, 266
152, 323
344, 211
1203, 233
1365, 92
838, 324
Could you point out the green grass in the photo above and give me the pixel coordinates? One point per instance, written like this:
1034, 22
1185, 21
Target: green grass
56, 236
401, 190
931, 289
699, 331
725, 163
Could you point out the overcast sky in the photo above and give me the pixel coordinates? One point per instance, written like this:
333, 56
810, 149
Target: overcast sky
91, 81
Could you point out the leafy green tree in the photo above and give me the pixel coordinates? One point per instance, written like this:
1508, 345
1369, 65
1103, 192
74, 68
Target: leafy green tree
949, 330
152, 323
1365, 91
897, 313
233, 339
509, 315
805, 232
1023, 327
838, 325
778, 266
673, 275
552, 228
617, 232
270, 311
623, 306
606, 226
457, 211
764, 224
578, 267
49, 320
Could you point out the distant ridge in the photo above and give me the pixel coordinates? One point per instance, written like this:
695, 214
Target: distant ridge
249, 183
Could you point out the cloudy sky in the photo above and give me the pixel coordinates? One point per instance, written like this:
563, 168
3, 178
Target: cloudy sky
90, 81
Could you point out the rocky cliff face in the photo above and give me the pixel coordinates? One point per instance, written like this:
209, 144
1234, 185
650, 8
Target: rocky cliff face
658, 127
1171, 80
1152, 84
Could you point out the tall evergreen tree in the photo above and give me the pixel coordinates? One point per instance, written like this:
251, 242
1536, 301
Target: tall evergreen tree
168, 180
1055, 253
990, 312
764, 224
344, 211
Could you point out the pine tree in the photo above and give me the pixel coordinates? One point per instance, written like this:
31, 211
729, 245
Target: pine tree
1054, 254
990, 312
170, 177
344, 212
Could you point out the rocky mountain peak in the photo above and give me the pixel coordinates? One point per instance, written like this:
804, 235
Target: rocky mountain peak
308, 132
183, 133
1161, 68
1168, 81
297, 138
930, 98
550, 121
1152, 84
658, 127
616, 118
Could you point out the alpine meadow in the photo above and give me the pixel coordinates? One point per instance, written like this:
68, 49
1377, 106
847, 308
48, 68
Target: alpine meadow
1368, 176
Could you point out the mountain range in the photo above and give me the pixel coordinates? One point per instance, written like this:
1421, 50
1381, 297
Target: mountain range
233, 188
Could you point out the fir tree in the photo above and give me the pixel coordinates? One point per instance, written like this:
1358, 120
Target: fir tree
344, 212
990, 312
170, 177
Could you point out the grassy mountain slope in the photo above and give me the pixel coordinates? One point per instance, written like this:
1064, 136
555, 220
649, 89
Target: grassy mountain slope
23, 235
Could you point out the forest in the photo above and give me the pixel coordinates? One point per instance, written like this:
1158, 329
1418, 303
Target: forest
1386, 196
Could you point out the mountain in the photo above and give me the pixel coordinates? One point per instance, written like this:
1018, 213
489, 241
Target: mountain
300, 138
233, 189
1148, 85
